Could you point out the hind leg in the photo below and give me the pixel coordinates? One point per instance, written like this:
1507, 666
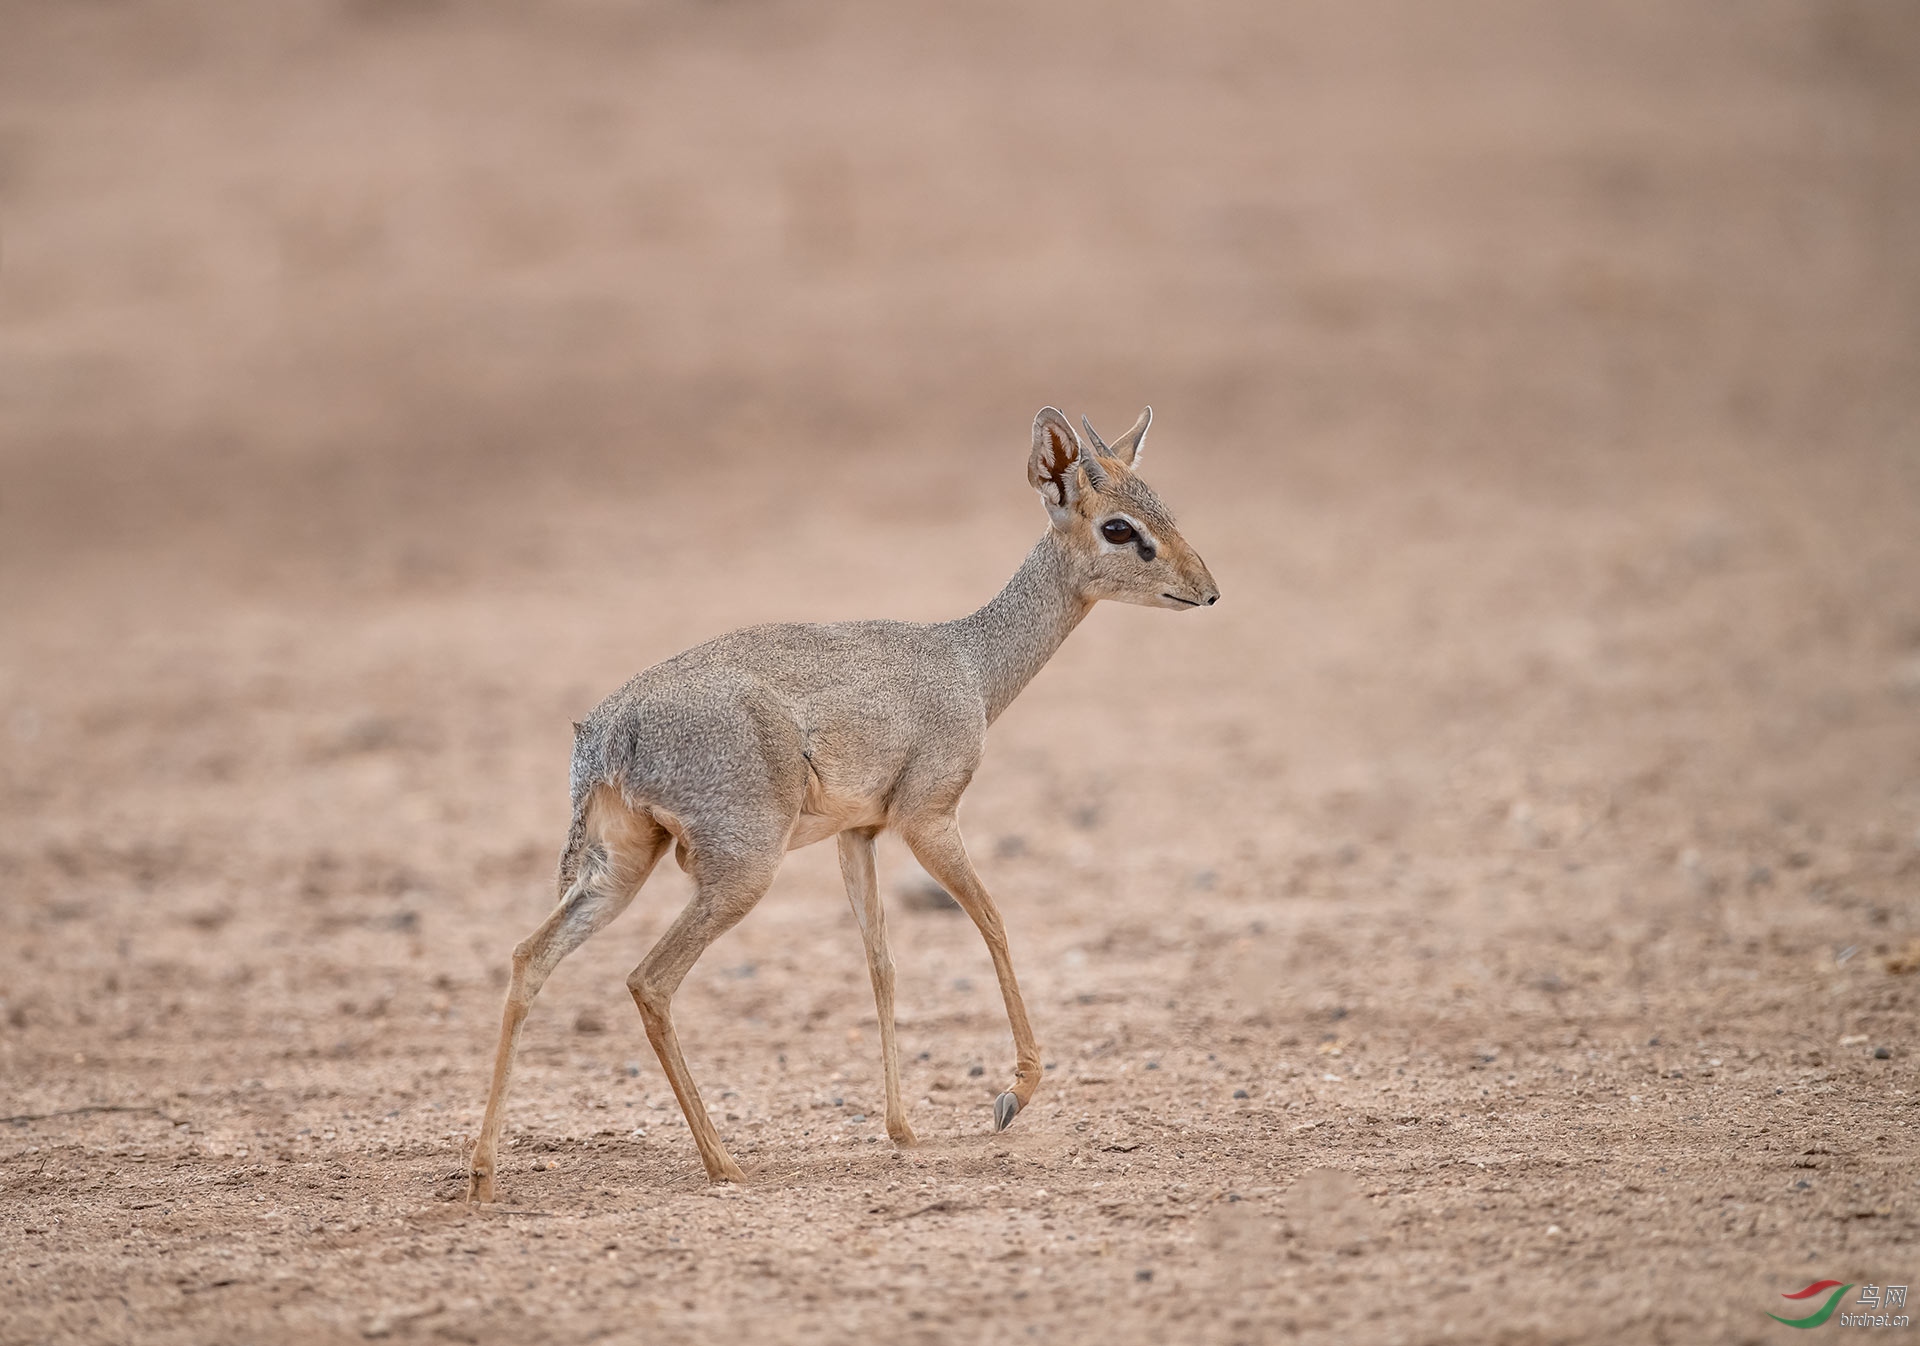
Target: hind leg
729, 883
616, 853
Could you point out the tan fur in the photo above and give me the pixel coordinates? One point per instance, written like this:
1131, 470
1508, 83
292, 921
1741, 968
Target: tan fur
774, 737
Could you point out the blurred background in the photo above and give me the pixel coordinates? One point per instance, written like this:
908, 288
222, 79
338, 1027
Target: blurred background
657, 319
382, 382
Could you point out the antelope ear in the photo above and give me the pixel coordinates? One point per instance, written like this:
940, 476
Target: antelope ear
1054, 466
1127, 448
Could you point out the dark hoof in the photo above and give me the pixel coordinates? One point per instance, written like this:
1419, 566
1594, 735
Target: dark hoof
1005, 1108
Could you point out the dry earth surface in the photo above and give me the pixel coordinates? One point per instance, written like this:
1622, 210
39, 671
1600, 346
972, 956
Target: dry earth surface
1495, 922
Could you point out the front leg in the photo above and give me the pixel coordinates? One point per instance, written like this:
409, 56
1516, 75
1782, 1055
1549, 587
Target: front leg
936, 843
863, 893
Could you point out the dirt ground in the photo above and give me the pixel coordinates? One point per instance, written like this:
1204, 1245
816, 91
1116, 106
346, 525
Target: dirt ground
1496, 921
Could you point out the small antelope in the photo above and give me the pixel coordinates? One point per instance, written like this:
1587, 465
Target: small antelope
744, 748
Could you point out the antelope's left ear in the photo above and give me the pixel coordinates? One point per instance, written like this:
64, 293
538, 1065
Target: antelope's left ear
1127, 448
1054, 468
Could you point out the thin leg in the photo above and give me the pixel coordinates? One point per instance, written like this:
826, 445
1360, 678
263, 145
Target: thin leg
606, 884
863, 892
725, 893
937, 845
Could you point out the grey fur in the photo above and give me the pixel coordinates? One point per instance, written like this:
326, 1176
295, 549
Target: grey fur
889, 716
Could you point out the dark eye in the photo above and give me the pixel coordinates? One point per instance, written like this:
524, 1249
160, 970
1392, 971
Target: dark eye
1117, 531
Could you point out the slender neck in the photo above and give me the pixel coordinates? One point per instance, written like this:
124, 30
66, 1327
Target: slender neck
1013, 636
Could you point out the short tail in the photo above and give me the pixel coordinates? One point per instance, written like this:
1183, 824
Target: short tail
581, 775
574, 856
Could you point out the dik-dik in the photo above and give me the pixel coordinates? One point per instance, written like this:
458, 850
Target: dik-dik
774, 737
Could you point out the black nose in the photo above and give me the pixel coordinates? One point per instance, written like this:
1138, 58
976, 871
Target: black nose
1212, 599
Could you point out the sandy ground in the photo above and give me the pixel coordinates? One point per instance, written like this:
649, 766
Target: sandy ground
1495, 922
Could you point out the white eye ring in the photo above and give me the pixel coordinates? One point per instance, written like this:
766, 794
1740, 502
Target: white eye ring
1133, 536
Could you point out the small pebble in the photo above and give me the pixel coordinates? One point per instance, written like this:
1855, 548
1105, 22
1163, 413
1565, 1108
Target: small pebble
1240, 1093
1143, 1274
976, 1072
1883, 1053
